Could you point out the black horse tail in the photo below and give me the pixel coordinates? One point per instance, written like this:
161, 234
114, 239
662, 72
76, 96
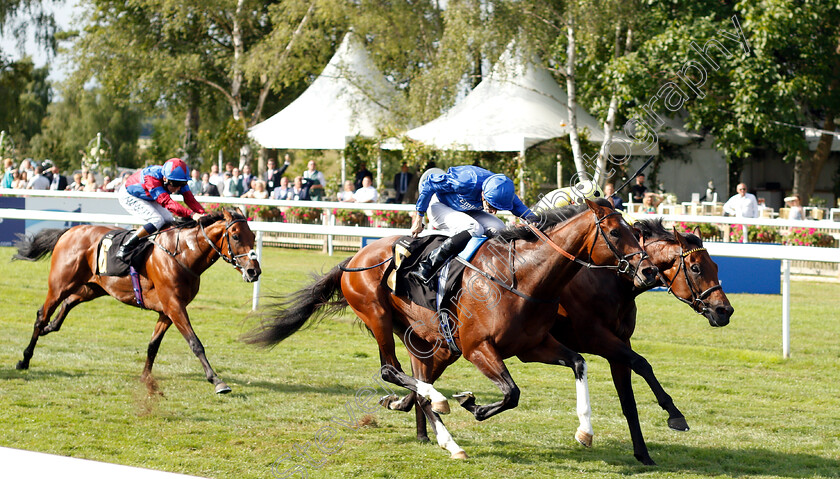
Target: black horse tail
321, 298
33, 248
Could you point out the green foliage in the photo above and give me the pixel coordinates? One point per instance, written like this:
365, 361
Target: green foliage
24, 96
707, 231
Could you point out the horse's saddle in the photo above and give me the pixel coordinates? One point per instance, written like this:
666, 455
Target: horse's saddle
408, 252
107, 263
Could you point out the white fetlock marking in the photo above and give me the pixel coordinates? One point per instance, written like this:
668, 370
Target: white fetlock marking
584, 410
428, 391
444, 439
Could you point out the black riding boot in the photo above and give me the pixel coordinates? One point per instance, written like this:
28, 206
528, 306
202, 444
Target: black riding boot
449, 248
129, 244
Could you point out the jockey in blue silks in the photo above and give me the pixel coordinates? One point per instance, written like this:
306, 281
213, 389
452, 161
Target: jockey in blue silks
463, 202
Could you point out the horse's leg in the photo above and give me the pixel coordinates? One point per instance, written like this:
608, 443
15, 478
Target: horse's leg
624, 388
444, 439
488, 361
42, 318
83, 294
550, 351
182, 322
161, 326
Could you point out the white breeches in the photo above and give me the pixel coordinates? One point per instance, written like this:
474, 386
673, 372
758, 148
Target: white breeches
477, 222
149, 211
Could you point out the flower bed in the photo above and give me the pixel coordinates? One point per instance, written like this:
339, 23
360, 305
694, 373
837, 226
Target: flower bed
808, 237
307, 215
392, 219
351, 217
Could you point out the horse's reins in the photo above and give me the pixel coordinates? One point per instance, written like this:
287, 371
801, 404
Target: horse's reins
623, 266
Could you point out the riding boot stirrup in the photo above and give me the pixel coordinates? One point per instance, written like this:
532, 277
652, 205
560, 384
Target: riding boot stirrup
453, 245
129, 244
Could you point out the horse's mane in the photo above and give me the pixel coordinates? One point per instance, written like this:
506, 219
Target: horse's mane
546, 220
215, 216
653, 229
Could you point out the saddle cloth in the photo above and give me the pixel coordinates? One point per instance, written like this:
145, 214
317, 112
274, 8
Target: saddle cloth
107, 263
408, 251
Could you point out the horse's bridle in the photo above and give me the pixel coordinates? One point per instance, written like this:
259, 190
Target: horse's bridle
623, 267
698, 297
230, 257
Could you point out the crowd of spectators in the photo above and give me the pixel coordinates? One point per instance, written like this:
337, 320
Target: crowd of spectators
46, 175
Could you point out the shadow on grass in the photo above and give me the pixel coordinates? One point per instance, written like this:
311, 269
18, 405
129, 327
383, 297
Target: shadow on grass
37, 374
671, 458
278, 386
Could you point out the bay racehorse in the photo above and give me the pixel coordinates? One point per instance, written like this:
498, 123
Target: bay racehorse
597, 315
490, 326
169, 276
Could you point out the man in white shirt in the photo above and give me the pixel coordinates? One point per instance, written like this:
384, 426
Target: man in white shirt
743, 205
367, 193
39, 181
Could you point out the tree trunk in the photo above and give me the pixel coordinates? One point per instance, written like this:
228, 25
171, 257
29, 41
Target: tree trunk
192, 123
609, 126
807, 169
236, 72
571, 105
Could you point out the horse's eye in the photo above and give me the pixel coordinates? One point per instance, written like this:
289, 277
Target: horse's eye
235, 237
695, 269
615, 234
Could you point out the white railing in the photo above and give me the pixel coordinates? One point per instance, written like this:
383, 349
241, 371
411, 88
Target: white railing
785, 253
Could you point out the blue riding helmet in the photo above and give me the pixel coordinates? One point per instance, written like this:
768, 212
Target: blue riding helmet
176, 170
498, 191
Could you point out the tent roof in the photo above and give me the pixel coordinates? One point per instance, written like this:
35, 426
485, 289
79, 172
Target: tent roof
349, 98
517, 106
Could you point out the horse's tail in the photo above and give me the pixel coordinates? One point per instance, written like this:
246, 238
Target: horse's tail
33, 248
321, 298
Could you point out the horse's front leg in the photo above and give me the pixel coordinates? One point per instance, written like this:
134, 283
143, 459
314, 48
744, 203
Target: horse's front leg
182, 322
551, 351
489, 362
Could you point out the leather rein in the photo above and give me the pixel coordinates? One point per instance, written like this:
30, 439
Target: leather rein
698, 296
229, 258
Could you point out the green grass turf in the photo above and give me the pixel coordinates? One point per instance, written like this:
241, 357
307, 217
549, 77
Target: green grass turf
752, 414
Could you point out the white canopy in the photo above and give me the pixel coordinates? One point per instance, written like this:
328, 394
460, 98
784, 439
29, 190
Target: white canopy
349, 98
517, 106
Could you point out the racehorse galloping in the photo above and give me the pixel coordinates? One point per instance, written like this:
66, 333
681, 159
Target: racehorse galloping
490, 330
169, 276
597, 315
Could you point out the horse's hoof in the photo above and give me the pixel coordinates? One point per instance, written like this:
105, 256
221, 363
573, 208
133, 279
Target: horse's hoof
440, 407
459, 455
583, 437
423, 438
386, 401
465, 399
222, 388
678, 424
21, 365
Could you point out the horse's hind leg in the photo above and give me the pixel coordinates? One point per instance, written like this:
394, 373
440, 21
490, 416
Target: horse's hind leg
161, 326
83, 294
444, 439
488, 361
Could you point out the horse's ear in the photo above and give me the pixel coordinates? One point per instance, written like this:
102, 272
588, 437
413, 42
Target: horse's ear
681, 239
227, 214
239, 210
593, 206
698, 233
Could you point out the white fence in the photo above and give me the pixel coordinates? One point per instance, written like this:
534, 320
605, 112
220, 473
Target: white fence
784, 253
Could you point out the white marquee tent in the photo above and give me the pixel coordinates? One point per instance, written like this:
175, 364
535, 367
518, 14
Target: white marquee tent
349, 98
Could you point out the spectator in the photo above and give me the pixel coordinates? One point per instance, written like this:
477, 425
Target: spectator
298, 192
347, 195
115, 184
217, 178
106, 180
26, 166
207, 188
363, 172
367, 193
650, 202
315, 181
609, 193
77, 184
742, 204
38, 181
274, 174
402, 180
58, 182
233, 184
8, 178
247, 178
195, 181
15, 179
796, 212
90, 182
282, 191
637, 191
258, 192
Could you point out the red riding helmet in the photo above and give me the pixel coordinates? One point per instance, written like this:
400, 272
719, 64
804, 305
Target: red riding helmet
176, 170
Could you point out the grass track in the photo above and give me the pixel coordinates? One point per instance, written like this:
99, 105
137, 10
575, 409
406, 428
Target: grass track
752, 414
